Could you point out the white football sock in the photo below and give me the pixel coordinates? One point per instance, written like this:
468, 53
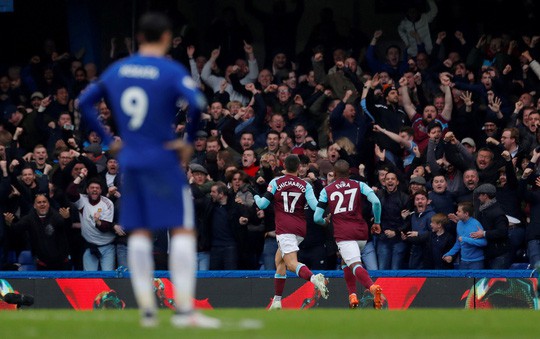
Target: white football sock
141, 268
182, 267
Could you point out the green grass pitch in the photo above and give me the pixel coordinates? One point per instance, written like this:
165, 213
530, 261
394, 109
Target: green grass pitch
259, 323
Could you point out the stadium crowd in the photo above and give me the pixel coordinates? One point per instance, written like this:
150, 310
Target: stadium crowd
445, 129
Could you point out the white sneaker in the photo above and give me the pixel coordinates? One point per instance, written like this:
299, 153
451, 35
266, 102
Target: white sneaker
195, 319
276, 305
320, 283
149, 319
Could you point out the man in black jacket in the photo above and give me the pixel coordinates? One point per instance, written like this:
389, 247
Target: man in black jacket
492, 217
224, 218
47, 232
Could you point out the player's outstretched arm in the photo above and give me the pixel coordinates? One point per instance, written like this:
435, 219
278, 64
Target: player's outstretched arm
264, 201
318, 216
374, 200
310, 197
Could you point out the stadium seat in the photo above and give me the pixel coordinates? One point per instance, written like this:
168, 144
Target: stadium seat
11, 257
520, 266
26, 260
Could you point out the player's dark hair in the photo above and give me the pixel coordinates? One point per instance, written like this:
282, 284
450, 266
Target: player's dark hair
292, 162
341, 169
152, 25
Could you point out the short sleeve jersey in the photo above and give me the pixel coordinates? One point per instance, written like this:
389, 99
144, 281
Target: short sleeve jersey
289, 203
143, 93
345, 202
89, 231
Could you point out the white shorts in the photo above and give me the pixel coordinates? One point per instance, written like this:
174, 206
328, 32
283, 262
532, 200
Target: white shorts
288, 243
350, 250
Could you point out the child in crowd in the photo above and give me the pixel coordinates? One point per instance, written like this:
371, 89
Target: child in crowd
438, 242
472, 254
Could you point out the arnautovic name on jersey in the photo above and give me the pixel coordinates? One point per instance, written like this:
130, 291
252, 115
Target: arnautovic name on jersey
292, 183
138, 71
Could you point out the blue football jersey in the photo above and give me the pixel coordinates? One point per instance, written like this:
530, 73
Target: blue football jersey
143, 93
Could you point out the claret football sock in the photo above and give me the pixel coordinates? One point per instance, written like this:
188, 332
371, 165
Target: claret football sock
350, 279
279, 284
304, 272
362, 275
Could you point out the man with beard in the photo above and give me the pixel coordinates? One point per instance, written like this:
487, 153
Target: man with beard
389, 116
47, 232
96, 214
420, 123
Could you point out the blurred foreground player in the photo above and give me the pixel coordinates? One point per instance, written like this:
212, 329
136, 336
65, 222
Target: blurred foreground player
344, 201
143, 91
290, 194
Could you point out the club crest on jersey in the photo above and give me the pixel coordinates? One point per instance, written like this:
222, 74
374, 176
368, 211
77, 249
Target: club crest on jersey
99, 210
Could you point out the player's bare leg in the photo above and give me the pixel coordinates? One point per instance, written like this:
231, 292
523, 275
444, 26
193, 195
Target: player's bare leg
320, 282
182, 267
141, 267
